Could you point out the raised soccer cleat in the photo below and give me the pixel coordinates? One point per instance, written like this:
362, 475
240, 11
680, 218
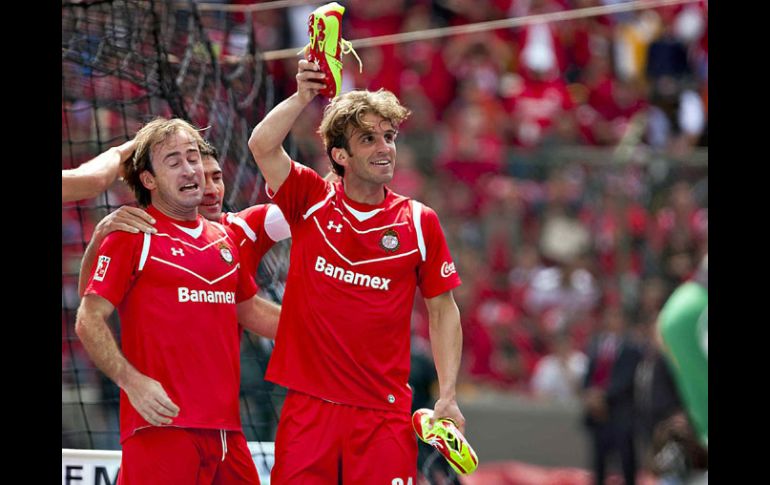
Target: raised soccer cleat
447, 439
326, 45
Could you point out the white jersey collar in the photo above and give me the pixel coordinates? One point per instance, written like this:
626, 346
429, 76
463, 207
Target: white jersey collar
362, 216
195, 232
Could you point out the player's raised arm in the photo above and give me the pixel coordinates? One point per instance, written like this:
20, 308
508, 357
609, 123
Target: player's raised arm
446, 340
266, 141
95, 176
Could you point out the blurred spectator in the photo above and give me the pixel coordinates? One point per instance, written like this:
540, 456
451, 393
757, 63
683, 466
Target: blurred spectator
655, 395
537, 97
667, 56
471, 145
632, 38
382, 66
424, 61
652, 295
568, 286
619, 227
678, 458
489, 322
679, 235
559, 374
528, 264
419, 131
612, 106
676, 115
564, 241
675, 64
608, 393
408, 180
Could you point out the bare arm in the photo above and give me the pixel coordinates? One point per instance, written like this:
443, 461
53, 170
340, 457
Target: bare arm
259, 316
266, 141
145, 394
126, 218
446, 340
95, 176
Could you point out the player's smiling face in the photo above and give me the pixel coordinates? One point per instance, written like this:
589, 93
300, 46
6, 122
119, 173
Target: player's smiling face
177, 187
214, 190
372, 156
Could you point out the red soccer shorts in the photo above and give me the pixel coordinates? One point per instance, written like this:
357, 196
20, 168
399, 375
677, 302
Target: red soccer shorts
165, 455
318, 441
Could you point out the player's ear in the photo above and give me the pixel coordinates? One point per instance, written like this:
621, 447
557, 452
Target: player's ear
340, 155
148, 180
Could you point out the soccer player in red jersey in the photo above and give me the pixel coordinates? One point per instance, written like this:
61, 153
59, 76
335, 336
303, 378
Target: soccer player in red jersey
180, 293
359, 252
257, 228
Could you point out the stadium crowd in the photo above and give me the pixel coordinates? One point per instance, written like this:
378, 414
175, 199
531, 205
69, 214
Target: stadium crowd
545, 244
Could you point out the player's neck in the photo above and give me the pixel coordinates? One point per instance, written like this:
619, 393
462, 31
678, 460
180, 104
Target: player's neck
364, 193
176, 212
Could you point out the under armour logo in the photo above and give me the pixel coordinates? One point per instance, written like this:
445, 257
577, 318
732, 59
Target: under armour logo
337, 227
177, 252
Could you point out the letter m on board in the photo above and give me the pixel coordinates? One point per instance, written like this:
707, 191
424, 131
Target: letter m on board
101, 473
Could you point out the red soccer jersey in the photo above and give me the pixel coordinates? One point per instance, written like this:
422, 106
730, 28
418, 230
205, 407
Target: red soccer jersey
345, 321
176, 293
256, 229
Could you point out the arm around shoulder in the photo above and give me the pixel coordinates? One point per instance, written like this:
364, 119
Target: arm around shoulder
96, 175
259, 316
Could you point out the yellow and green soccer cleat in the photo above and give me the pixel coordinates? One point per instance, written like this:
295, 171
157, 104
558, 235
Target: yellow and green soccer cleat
447, 439
326, 45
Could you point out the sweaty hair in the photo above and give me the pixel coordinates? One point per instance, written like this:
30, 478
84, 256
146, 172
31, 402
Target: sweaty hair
149, 136
209, 150
345, 113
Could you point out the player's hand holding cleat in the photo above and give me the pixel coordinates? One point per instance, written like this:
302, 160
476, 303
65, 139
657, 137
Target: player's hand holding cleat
326, 45
447, 439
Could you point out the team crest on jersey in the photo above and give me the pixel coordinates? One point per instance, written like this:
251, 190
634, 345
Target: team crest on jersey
101, 268
226, 254
389, 241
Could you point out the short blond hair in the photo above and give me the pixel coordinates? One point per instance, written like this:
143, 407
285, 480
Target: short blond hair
150, 135
347, 111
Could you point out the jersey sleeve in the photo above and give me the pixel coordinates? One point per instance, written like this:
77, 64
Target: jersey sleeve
302, 189
245, 227
257, 229
246, 285
275, 225
437, 273
116, 266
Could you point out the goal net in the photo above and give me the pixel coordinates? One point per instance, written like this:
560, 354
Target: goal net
124, 62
